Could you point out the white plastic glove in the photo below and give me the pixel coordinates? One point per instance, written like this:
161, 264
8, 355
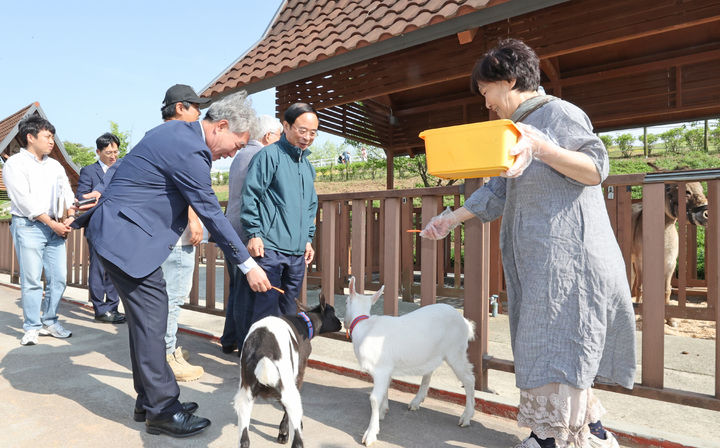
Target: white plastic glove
440, 226
531, 145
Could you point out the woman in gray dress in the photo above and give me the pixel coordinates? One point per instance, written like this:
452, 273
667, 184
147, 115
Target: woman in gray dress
569, 306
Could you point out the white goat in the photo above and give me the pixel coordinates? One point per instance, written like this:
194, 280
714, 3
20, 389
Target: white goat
413, 344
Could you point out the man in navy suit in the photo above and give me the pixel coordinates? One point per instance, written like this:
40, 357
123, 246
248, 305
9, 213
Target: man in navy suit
103, 296
137, 221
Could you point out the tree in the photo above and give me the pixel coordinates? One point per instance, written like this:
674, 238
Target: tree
694, 137
624, 142
651, 140
714, 134
672, 139
80, 155
608, 141
124, 137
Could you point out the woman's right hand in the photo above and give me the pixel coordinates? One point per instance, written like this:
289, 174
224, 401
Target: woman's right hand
440, 226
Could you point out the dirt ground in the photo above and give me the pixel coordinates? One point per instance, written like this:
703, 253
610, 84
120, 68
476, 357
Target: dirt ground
700, 329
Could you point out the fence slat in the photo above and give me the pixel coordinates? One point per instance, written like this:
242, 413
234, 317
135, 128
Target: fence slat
391, 251
653, 313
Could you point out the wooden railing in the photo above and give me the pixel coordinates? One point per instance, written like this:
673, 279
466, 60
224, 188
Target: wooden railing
364, 234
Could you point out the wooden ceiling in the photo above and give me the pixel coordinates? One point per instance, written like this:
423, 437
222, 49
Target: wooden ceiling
626, 63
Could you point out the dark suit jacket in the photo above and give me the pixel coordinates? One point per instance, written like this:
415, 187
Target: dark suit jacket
143, 209
90, 176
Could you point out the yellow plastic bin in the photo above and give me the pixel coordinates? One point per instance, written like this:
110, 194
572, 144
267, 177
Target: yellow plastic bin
470, 150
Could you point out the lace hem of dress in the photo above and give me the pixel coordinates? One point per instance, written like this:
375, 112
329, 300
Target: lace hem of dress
549, 416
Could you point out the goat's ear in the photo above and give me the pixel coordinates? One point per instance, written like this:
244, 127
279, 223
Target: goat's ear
301, 306
377, 295
322, 302
351, 285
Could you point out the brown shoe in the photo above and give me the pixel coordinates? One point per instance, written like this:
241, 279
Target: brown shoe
182, 370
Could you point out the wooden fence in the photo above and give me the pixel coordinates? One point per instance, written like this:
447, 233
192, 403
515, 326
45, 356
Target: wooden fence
364, 234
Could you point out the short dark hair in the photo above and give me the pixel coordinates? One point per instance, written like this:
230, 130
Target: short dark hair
296, 110
105, 140
168, 112
32, 125
510, 59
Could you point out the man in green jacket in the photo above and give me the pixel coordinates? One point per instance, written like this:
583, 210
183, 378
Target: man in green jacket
279, 204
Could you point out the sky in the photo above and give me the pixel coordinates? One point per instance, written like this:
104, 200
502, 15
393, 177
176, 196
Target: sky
91, 62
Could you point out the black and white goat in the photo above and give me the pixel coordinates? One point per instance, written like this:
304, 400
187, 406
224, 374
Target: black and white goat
413, 344
272, 364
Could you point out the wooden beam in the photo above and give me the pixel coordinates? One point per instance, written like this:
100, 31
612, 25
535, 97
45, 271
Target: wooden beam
391, 255
329, 269
638, 67
467, 36
653, 315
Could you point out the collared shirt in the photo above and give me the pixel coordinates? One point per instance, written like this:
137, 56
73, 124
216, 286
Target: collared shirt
36, 186
103, 166
248, 264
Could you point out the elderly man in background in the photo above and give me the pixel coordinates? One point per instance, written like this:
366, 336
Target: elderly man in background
279, 204
239, 308
103, 296
137, 221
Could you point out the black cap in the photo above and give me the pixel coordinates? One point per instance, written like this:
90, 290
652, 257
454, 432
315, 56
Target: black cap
181, 92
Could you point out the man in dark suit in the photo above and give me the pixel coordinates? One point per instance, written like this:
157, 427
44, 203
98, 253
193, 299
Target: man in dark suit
103, 296
136, 222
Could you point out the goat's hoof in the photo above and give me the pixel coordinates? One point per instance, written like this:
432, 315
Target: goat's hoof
282, 438
369, 439
413, 406
464, 420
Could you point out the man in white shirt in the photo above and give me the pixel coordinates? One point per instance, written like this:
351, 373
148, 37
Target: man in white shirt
39, 193
102, 293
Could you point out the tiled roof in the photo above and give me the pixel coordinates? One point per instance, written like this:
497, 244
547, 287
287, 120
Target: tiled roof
305, 32
7, 125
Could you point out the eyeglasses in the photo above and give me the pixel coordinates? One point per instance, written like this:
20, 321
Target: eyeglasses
110, 153
304, 131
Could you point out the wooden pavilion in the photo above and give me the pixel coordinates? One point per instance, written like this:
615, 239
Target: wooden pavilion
381, 72
9, 144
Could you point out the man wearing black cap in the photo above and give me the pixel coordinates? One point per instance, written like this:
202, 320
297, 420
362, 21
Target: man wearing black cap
181, 103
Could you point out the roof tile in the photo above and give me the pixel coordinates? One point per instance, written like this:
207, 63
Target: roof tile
305, 32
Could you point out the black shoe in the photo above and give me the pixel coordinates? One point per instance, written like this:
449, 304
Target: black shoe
227, 349
110, 317
181, 424
189, 406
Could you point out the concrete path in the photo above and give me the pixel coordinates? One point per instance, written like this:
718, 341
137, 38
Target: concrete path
78, 392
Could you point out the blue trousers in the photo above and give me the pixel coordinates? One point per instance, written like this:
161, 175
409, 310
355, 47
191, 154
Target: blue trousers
247, 306
102, 292
146, 307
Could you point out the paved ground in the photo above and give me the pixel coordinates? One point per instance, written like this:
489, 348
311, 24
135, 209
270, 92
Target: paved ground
78, 393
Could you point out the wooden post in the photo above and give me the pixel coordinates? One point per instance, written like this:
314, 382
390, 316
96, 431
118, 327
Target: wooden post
359, 226
389, 181
328, 251
407, 275
712, 267
210, 261
653, 310
428, 259
194, 291
477, 281
391, 255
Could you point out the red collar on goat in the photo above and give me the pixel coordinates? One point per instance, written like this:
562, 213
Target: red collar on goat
309, 324
355, 322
